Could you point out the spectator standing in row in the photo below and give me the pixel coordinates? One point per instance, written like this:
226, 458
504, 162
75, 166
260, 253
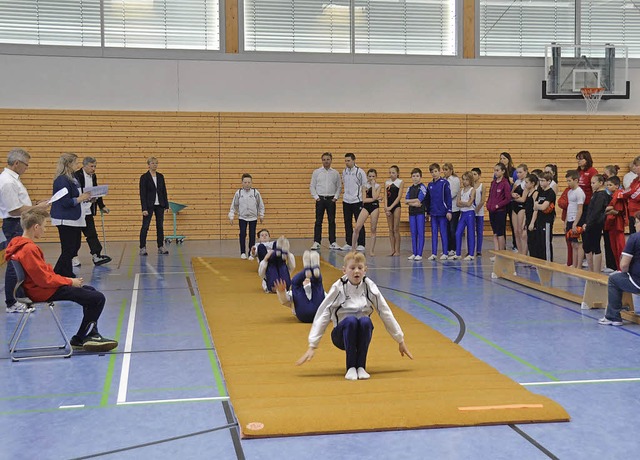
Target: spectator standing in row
154, 201
353, 179
325, 189
247, 203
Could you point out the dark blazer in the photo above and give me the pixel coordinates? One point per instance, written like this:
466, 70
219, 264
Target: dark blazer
67, 207
79, 174
148, 192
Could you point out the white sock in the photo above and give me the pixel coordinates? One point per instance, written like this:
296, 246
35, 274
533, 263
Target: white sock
352, 374
362, 374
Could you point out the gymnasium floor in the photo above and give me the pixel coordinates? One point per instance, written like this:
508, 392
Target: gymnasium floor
162, 395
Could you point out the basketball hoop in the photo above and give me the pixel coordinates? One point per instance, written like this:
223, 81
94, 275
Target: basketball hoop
592, 97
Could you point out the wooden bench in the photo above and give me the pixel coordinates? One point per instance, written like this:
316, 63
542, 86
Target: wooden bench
595, 288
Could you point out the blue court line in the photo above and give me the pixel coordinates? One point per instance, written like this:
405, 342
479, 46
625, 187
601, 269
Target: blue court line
569, 309
484, 340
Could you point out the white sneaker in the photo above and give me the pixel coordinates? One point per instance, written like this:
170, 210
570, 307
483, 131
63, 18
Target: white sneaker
469, 257
360, 248
20, 307
346, 247
607, 270
362, 374
411, 257
451, 253
492, 258
250, 257
352, 374
584, 306
444, 257
334, 245
494, 276
432, 257
306, 263
75, 262
418, 257
314, 261
454, 257
604, 321
514, 249
243, 256
315, 246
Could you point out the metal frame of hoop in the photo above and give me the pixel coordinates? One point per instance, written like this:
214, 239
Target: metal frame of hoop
592, 97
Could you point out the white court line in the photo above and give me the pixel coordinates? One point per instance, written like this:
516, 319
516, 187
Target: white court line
128, 341
72, 406
573, 382
152, 270
163, 401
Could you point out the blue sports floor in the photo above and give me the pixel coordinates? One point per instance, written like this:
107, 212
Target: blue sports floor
162, 395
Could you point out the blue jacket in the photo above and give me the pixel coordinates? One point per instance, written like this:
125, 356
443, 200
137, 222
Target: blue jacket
438, 197
67, 207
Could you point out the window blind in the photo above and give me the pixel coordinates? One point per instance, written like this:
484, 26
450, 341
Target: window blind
524, 27
426, 27
380, 26
50, 22
612, 21
164, 24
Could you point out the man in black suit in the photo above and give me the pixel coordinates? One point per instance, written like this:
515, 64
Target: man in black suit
86, 177
153, 198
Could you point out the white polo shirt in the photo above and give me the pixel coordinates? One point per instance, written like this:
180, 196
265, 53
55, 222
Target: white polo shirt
13, 194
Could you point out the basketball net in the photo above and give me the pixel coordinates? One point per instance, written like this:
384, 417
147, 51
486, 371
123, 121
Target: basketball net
592, 97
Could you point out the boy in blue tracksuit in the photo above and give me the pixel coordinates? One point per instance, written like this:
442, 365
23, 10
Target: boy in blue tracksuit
439, 209
416, 195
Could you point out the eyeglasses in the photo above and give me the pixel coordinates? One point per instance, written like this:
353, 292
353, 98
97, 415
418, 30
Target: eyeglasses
26, 164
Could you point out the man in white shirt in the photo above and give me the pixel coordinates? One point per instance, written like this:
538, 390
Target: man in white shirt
353, 179
325, 189
14, 200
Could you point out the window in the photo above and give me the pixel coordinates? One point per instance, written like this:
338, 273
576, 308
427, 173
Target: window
524, 27
163, 24
50, 22
328, 26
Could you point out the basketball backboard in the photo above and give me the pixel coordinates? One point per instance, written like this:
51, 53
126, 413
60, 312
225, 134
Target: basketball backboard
569, 68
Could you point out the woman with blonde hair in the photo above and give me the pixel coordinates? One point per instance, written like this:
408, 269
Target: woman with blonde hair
67, 213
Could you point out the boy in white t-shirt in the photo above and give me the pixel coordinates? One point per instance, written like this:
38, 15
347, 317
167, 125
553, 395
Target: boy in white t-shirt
576, 197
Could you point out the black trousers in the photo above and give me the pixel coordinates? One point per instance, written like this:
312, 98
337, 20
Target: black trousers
352, 211
91, 300
328, 206
146, 222
70, 242
451, 230
91, 235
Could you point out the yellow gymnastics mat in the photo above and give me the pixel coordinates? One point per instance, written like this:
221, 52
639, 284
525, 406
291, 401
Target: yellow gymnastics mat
258, 342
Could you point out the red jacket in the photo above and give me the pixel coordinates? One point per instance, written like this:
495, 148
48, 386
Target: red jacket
40, 280
633, 196
618, 221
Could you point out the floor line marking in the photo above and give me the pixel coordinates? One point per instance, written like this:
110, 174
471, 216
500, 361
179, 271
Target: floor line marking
152, 270
166, 273
72, 406
165, 401
128, 343
574, 382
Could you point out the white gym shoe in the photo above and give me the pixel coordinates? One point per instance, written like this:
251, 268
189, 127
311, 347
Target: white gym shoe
346, 247
75, 262
492, 258
306, 263
444, 257
418, 257
315, 246
314, 261
432, 257
454, 257
469, 257
451, 253
250, 257
362, 374
243, 256
20, 307
411, 257
607, 322
352, 374
360, 248
334, 245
